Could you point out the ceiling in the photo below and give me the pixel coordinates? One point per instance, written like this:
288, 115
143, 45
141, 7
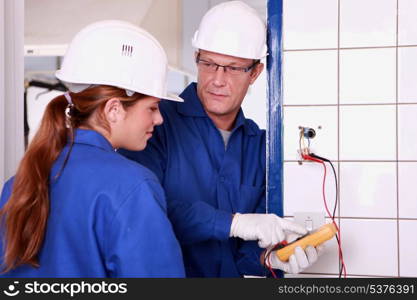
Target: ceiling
51, 24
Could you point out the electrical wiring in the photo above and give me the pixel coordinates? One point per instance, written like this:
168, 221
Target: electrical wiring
267, 261
306, 155
301, 144
335, 180
336, 199
321, 160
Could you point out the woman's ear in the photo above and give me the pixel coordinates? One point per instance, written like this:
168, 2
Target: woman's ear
114, 111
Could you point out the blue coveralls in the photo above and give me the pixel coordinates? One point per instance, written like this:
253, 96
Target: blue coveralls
206, 183
107, 218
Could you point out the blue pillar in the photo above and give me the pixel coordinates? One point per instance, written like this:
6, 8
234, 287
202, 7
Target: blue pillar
274, 121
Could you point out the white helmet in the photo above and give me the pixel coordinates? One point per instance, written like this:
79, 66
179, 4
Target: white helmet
232, 28
119, 54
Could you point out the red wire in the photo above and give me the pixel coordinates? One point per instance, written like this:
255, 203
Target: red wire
270, 268
334, 222
268, 263
307, 157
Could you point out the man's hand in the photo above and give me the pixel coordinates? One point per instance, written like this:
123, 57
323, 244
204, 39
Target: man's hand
267, 229
298, 261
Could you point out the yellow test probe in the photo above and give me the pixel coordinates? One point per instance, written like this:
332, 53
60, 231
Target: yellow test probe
315, 238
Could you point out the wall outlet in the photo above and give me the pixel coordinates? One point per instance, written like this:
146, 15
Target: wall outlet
310, 220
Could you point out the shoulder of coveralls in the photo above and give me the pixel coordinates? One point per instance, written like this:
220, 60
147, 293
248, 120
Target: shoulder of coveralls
139, 179
125, 170
255, 128
117, 168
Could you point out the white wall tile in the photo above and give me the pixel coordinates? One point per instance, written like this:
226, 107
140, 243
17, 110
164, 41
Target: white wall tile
407, 174
325, 142
303, 188
368, 189
367, 76
328, 261
370, 247
367, 23
310, 77
407, 25
407, 73
310, 24
367, 132
407, 132
408, 248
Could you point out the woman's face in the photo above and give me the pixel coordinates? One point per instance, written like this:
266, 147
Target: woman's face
136, 124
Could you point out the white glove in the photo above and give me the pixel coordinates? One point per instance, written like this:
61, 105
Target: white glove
298, 261
267, 229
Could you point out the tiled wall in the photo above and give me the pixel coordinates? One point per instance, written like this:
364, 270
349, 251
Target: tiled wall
350, 67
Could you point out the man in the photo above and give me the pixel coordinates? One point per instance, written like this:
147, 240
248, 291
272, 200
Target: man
211, 160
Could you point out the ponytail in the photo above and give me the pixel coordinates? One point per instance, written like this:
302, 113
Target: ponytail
24, 216
26, 211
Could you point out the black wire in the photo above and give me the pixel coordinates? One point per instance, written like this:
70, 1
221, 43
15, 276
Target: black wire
341, 265
335, 180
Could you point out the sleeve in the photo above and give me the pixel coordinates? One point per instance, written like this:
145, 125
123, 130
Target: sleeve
140, 241
198, 221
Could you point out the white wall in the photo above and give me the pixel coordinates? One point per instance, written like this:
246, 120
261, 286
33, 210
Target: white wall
11, 86
2, 92
350, 67
51, 26
163, 22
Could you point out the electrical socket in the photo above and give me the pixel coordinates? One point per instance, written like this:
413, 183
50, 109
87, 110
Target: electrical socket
310, 220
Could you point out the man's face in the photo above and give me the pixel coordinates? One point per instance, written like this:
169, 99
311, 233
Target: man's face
221, 92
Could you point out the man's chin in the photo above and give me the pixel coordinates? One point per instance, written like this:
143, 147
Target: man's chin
217, 112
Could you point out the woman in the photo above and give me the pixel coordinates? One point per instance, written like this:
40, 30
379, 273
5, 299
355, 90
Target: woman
75, 207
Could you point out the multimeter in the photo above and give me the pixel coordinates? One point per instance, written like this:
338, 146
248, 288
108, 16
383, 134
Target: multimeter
315, 238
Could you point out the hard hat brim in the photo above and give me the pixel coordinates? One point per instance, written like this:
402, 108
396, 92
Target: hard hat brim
68, 82
173, 97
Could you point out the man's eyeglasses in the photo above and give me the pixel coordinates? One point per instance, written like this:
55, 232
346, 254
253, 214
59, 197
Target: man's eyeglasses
211, 67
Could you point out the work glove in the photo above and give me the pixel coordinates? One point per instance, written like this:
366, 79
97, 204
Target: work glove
267, 229
297, 262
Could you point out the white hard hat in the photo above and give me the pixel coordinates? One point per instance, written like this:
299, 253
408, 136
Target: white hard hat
232, 28
119, 54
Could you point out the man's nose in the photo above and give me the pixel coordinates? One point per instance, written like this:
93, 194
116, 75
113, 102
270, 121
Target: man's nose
220, 76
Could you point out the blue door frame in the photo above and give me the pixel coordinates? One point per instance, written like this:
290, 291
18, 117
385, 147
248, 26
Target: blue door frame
274, 121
